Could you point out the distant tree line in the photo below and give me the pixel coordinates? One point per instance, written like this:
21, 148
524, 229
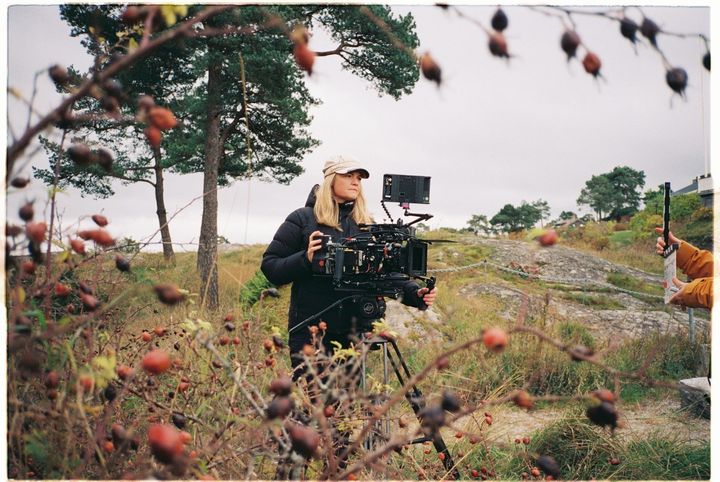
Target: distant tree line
611, 195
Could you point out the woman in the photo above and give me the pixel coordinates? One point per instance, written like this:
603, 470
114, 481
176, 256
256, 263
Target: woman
334, 208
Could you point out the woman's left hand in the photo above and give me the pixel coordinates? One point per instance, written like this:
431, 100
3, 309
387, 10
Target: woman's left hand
427, 296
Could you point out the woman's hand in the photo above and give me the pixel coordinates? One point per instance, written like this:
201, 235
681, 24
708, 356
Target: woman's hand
677, 297
314, 244
427, 296
660, 246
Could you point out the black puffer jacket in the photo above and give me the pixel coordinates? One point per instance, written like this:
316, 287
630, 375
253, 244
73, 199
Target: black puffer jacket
285, 261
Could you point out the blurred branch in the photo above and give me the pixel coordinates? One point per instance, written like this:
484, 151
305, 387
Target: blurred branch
183, 29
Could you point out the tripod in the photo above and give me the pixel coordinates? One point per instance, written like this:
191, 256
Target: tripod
414, 396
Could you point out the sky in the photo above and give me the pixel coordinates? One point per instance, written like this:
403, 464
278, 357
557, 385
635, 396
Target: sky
495, 131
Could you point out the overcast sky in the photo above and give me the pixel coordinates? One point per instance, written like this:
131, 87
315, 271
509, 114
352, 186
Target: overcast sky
495, 132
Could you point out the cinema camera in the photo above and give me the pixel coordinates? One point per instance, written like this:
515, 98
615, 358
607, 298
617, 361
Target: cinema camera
373, 261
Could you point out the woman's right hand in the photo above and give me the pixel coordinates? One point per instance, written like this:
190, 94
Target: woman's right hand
314, 244
660, 246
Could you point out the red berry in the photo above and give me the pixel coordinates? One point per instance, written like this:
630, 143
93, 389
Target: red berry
498, 45
89, 301
169, 294
523, 399
52, 379
430, 69
304, 57
161, 118
36, 231
304, 439
592, 64
62, 289
78, 246
146, 336
86, 382
281, 386
604, 395
165, 442
100, 220
59, 74
28, 266
495, 339
124, 372
154, 136
548, 238
156, 362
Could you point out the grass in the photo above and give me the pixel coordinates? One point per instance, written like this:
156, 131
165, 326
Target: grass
598, 302
620, 239
583, 451
638, 253
631, 283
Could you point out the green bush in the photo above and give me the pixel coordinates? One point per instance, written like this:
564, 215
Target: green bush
698, 233
682, 207
644, 223
598, 234
251, 290
702, 214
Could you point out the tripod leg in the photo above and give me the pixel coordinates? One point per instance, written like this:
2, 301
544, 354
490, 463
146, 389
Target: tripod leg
418, 403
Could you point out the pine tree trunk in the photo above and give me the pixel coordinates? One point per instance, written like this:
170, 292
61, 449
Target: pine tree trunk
207, 251
168, 252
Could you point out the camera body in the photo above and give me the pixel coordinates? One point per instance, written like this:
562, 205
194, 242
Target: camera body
373, 260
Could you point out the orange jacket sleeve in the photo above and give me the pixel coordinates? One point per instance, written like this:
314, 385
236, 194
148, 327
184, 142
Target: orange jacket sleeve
694, 262
696, 294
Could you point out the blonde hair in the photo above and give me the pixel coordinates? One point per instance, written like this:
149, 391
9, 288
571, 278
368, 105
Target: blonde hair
327, 210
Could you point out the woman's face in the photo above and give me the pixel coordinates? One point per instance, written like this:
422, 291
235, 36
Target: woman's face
346, 187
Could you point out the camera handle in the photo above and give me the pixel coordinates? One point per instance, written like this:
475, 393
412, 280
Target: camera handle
406, 207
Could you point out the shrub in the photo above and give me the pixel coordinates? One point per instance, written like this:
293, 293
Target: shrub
251, 290
702, 214
682, 207
621, 227
644, 223
128, 246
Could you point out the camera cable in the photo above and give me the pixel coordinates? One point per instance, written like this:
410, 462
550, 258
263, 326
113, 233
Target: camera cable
319, 313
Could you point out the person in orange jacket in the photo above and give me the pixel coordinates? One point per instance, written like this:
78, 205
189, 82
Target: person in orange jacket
696, 264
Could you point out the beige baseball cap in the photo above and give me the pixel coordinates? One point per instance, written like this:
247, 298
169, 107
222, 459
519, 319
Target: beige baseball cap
343, 165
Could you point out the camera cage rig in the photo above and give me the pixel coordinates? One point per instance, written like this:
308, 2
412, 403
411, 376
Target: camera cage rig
374, 260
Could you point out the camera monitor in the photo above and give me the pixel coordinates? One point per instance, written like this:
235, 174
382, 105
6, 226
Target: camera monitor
406, 189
